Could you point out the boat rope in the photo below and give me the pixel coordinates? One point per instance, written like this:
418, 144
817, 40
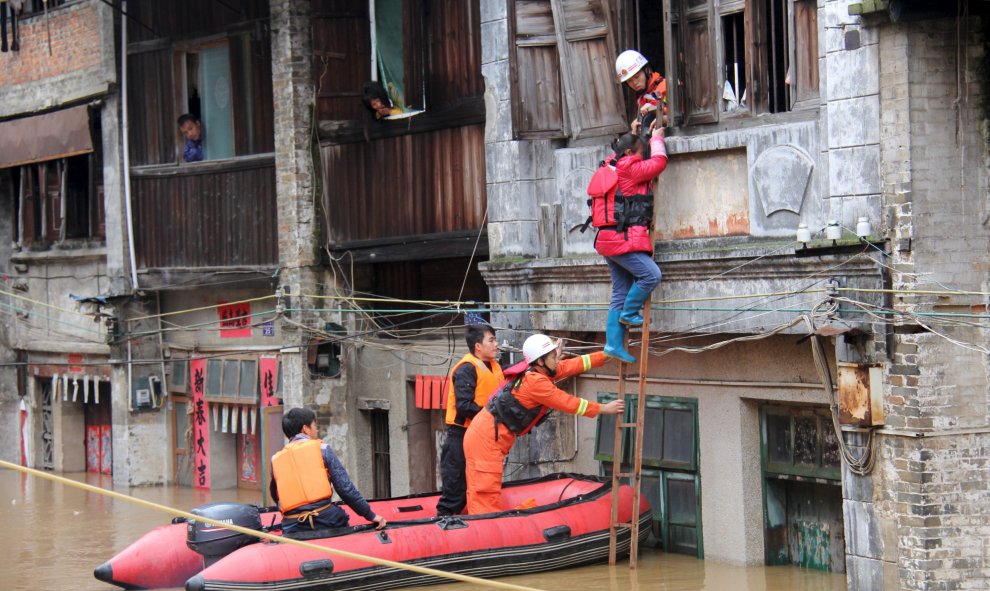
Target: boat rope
264, 535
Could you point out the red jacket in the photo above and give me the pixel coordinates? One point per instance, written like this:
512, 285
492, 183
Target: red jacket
635, 178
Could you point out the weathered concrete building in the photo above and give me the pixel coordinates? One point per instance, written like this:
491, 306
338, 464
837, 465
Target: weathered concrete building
783, 113
61, 191
320, 257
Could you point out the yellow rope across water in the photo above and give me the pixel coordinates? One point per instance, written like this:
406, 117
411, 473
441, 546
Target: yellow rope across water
263, 535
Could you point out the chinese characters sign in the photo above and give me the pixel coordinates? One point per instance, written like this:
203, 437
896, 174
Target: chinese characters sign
201, 430
268, 366
235, 320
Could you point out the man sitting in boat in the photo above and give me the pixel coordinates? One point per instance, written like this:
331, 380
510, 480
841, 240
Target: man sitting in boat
516, 409
306, 473
471, 382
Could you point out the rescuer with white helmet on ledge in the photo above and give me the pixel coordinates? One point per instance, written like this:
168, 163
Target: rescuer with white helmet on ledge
635, 72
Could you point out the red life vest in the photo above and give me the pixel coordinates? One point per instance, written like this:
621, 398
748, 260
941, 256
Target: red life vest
602, 189
610, 208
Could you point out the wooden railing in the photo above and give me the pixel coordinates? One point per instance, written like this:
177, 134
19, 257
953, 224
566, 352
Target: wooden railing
215, 215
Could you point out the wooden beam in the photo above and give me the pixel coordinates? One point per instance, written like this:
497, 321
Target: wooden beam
469, 111
176, 278
206, 167
410, 248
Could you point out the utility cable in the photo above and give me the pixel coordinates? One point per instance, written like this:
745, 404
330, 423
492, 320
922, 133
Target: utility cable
16, 311
264, 535
45, 304
201, 308
863, 464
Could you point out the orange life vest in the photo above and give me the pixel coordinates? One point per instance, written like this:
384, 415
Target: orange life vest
300, 475
488, 383
655, 93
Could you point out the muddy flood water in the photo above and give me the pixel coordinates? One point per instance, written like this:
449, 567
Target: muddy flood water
57, 535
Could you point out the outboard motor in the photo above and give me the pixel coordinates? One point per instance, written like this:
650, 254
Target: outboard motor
215, 542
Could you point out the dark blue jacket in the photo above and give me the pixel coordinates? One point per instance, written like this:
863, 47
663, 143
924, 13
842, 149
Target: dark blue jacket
193, 151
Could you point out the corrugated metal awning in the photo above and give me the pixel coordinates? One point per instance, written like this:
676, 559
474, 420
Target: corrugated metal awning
59, 134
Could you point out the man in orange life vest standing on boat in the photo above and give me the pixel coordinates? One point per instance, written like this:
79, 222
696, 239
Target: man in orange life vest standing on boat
518, 407
475, 377
306, 473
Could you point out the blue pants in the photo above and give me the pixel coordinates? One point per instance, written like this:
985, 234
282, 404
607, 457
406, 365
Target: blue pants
638, 267
329, 518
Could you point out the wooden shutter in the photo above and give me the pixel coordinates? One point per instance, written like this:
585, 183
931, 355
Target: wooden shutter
689, 44
804, 34
757, 61
537, 104
341, 50
699, 72
674, 56
592, 93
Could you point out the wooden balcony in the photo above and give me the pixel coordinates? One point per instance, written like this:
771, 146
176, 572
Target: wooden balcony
206, 217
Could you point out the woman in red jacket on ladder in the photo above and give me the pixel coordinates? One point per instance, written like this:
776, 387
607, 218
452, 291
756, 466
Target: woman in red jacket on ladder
628, 245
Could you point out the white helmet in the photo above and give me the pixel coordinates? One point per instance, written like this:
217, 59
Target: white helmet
628, 63
537, 346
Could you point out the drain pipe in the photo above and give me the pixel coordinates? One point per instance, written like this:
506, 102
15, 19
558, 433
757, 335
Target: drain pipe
126, 144
374, 40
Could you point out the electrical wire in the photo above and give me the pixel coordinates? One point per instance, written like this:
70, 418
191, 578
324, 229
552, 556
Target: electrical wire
863, 464
45, 304
201, 308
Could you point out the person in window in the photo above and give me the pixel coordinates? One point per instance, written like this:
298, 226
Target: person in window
306, 473
518, 407
475, 377
650, 87
376, 99
192, 130
627, 244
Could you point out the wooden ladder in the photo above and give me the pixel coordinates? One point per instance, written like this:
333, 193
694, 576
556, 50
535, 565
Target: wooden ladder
637, 466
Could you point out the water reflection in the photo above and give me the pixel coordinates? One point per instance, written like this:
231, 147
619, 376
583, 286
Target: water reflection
60, 534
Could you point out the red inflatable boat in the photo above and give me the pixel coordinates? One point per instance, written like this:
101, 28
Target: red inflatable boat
160, 558
565, 523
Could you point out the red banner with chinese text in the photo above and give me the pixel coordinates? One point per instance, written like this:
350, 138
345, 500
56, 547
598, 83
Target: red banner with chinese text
201, 424
235, 320
268, 378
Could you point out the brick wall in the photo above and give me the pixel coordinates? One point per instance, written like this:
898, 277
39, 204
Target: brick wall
81, 65
75, 45
931, 492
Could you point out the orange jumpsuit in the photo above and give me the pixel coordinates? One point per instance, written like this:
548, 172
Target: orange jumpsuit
484, 454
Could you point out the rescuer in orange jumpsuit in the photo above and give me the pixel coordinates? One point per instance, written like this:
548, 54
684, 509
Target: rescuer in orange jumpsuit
516, 409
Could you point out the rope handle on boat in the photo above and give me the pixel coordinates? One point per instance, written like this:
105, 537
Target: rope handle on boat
263, 535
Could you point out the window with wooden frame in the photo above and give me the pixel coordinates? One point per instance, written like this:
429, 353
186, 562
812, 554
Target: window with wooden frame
740, 57
799, 441
232, 380
670, 433
427, 56
670, 475
57, 200
561, 67
380, 454
178, 379
226, 84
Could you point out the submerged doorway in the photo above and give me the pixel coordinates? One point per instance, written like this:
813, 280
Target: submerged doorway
802, 485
